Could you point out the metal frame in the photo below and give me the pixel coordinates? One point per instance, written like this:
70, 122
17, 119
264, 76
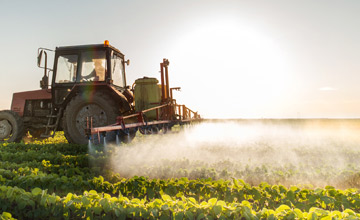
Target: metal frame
181, 115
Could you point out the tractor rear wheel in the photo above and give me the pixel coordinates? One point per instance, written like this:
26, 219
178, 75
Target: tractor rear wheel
11, 126
100, 107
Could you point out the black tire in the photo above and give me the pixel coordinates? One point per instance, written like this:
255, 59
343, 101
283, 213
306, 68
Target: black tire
11, 126
100, 107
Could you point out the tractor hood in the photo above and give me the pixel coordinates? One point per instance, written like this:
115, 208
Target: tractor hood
19, 99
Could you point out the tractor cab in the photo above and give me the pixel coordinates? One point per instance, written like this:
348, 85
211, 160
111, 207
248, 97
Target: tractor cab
84, 66
87, 80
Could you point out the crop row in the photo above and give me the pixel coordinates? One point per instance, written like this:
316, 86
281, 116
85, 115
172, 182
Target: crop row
51, 162
33, 155
262, 196
38, 204
64, 148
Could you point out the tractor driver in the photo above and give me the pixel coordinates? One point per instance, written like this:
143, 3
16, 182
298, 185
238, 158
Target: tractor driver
98, 73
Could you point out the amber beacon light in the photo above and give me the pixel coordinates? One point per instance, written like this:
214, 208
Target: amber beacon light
106, 43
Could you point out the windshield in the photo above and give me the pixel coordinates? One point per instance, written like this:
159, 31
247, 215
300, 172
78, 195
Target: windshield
66, 69
117, 70
93, 66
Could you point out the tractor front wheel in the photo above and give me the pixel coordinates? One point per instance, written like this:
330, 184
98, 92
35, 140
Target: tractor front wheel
99, 106
11, 126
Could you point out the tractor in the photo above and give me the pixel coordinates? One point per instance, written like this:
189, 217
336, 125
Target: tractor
88, 82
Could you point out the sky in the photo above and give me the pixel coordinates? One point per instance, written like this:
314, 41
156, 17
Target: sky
231, 58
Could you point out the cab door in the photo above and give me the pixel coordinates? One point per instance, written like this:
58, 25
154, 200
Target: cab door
66, 71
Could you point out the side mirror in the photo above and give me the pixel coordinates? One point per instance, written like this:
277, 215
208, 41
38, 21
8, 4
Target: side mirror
127, 62
39, 58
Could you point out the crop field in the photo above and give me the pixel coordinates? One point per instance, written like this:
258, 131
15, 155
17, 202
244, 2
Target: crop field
234, 169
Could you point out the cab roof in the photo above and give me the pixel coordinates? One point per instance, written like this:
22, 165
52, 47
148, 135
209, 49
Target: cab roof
87, 47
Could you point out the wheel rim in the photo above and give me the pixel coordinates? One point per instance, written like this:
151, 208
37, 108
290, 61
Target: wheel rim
5, 129
98, 114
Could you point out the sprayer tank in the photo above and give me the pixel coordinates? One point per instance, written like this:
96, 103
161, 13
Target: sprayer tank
147, 95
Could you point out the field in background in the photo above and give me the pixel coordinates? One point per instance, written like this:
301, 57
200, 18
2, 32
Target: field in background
212, 170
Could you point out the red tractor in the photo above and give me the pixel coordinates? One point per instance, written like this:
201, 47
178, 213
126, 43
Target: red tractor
88, 81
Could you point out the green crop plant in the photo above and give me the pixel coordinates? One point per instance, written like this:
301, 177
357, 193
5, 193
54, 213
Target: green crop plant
63, 181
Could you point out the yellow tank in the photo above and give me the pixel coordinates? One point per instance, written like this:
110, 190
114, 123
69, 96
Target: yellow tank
147, 95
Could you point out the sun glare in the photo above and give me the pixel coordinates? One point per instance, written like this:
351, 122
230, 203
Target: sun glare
232, 64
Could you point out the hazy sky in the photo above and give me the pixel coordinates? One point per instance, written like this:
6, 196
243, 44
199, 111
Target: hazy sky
233, 59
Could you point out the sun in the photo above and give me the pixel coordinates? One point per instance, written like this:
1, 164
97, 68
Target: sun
231, 64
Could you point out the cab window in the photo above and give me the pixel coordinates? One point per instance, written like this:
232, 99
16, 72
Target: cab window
117, 70
93, 66
66, 69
